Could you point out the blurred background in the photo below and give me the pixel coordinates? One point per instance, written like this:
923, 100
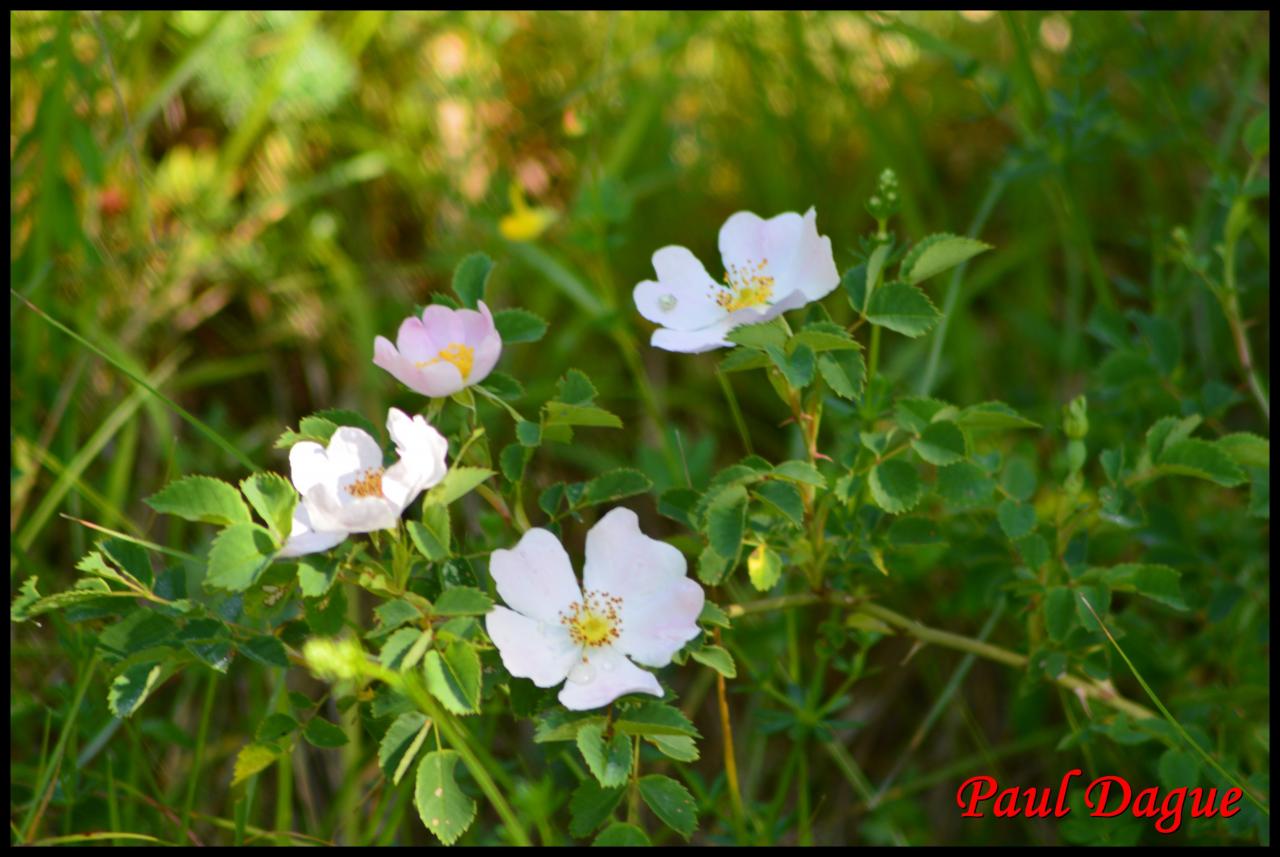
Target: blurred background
235, 204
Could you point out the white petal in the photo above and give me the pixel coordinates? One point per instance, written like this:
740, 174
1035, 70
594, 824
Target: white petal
353, 451
309, 466
749, 240
605, 676
660, 604
693, 341
812, 267
683, 297
416, 438
535, 577
305, 539
532, 649
352, 514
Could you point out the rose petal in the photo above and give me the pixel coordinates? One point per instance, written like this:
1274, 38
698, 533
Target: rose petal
683, 297
693, 341
660, 604
305, 539
530, 649
309, 466
605, 676
444, 326
414, 341
812, 267
535, 577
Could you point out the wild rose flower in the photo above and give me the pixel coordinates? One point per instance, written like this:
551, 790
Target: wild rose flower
442, 352
345, 489
771, 266
636, 605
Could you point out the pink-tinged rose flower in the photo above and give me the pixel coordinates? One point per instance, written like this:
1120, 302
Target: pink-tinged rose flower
442, 352
636, 606
771, 266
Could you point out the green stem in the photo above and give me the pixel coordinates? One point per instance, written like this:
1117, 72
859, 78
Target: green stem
197, 762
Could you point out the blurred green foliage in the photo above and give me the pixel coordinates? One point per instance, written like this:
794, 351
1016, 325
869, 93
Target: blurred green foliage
234, 204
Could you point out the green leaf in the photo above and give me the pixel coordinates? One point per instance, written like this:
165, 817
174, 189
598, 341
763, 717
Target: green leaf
1019, 479
875, 267
784, 497
458, 482
131, 688
682, 748
442, 806
273, 498
614, 485
670, 802
1157, 582
454, 677
1016, 519
1201, 459
895, 486
609, 761
915, 413
1245, 449
764, 568
575, 388
940, 443
713, 614
253, 759
335, 417
620, 834
742, 359
717, 658
240, 553
131, 557
591, 806
470, 277
758, 336
462, 601
518, 325
1059, 611
845, 373
937, 253
712, 566
726, 519
797, 367
201, 498
653, 718
800, 471
561, 414
965, 485
321, 733
1169, 430
993, 415
404, 648
824, 336
902, 308
266, 650
392, 615
276, 726
316, 575
401, 743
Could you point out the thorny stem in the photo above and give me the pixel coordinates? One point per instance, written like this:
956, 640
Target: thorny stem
730, 762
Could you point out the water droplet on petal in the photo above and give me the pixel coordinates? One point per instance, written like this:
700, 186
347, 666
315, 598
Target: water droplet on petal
667, 303
582, 673
606, 665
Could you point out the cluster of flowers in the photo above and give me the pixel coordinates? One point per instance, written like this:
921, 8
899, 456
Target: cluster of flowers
636, 605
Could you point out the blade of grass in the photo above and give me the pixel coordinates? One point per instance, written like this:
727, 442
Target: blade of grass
1173, 721
200, 426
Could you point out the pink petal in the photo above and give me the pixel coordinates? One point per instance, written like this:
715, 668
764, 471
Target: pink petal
415, 341
443, 324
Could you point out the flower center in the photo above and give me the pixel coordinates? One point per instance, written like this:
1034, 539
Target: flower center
368, 485
746, 286
461, 356
595, 620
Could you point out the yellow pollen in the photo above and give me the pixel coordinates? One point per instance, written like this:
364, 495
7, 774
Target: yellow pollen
594, 621
461, 356
368, 485
745, 287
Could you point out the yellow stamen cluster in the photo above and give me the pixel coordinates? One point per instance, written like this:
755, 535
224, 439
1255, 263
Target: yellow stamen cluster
595, 620
745, 286
460, 355
368, 485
